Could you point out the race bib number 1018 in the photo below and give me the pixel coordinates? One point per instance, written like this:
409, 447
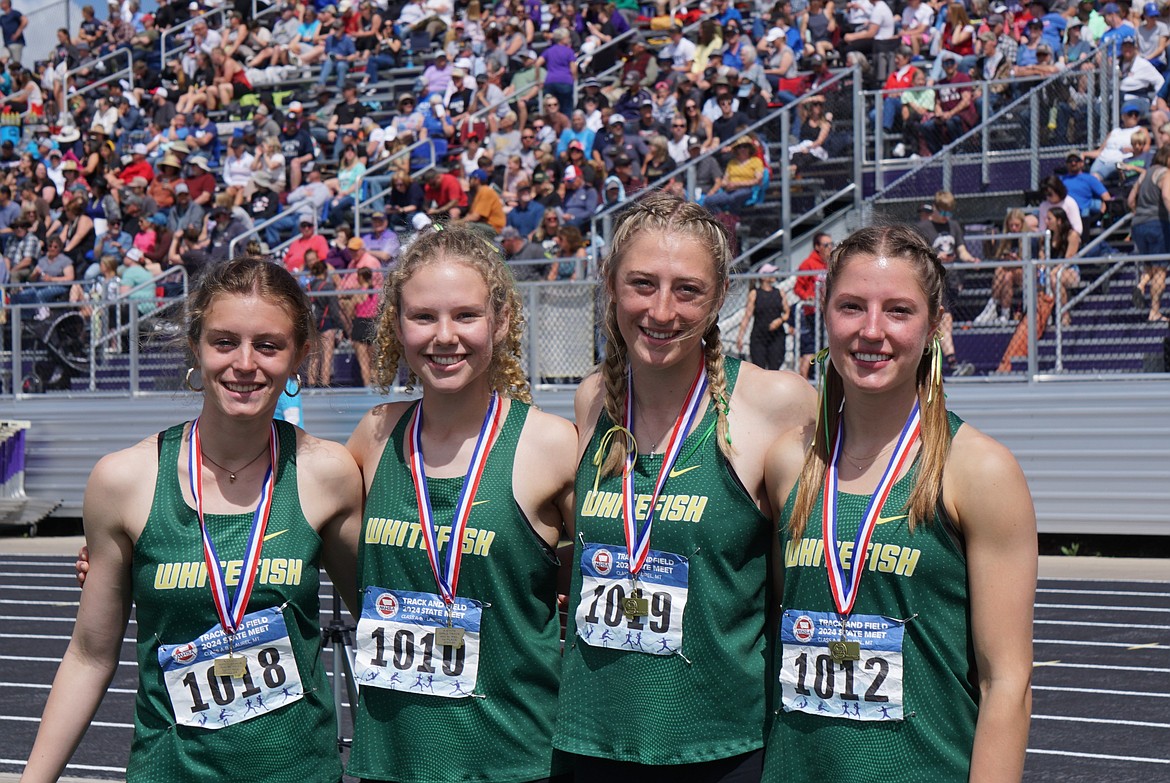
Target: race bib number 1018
270, 679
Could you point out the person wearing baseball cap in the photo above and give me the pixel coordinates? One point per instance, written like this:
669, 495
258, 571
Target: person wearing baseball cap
485, 206
1119, 29
1152, 36
581, 198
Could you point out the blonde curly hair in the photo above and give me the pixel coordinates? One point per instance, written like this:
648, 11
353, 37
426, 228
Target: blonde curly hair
463, 245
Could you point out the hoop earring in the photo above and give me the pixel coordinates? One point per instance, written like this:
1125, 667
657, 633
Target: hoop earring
298, 391
187, 381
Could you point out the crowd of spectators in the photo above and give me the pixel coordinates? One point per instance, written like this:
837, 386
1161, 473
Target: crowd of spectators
309, 129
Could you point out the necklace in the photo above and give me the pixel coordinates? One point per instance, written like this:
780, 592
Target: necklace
864, 461
232, 473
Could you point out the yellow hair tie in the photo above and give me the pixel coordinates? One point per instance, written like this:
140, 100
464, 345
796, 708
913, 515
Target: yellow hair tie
599, 455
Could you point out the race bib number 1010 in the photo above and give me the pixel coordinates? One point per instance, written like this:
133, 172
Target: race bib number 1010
397, 647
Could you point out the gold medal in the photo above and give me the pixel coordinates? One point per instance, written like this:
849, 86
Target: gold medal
845, 651
449, 637
635, 606
231, 665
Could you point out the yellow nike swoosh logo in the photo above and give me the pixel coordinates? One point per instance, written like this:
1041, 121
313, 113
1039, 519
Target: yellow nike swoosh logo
676, 473
884, 520
271, 536
475, 503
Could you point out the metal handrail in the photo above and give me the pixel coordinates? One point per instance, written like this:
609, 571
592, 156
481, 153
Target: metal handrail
255, 229
599, 221
385, 163
881, 188
123, 73
176, 29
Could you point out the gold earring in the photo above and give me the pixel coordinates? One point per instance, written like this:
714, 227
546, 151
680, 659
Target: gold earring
187, 381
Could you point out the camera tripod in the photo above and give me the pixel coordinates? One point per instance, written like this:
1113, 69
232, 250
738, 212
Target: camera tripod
338, 636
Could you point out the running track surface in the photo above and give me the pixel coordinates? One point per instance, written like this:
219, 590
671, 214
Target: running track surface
1101, 701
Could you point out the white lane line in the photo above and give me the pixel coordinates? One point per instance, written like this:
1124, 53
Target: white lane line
41, 588
1101, 756
1077, 623
1073, 643
1107, 721
1098, 667
43, 574
33, 619
46, 686
88, 767
36, 659
1102, 691
18, 602
105, 724
48, 637
1095, 608
1066, 591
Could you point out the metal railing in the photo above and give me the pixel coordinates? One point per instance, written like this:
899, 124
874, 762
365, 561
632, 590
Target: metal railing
258, 227
89, 65
1041, 114
383, 165
177, 30
601, 223
1103, 339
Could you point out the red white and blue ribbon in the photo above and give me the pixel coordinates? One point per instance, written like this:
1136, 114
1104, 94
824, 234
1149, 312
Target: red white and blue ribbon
447, 572
638, 540
844, 589
231, 609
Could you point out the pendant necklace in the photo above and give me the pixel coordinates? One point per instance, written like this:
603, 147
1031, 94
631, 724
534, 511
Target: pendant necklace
232, 473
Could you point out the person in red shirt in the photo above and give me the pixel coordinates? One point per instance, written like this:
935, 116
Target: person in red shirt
806, 290
955, 111
294, 257
201, 183
901, 78
139, 167
448, 197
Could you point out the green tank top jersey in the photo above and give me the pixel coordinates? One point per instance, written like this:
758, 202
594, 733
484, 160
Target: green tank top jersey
708, 702
920, 575
506, 735
174, 606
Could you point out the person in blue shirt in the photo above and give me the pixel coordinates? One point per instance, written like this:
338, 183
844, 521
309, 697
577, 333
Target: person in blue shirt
725, 12
581, 199
1085, 189
526, 215
340, 53
12, 24
576, 132
1053, 25
1118, 30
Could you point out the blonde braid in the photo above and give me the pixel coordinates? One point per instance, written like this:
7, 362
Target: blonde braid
717, 385
613, 374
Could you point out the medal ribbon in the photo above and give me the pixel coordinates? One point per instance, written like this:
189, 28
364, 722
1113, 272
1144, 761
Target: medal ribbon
447, 572
845, 590
638, 541
231, 609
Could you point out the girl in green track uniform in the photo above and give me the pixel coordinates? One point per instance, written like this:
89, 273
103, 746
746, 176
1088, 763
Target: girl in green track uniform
481, 708
908, 548
674, 688
274, 503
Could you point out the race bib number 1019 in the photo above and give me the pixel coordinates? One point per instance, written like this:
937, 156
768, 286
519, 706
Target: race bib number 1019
605, 585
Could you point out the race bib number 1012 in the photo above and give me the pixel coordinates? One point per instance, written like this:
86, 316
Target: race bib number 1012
812, 680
